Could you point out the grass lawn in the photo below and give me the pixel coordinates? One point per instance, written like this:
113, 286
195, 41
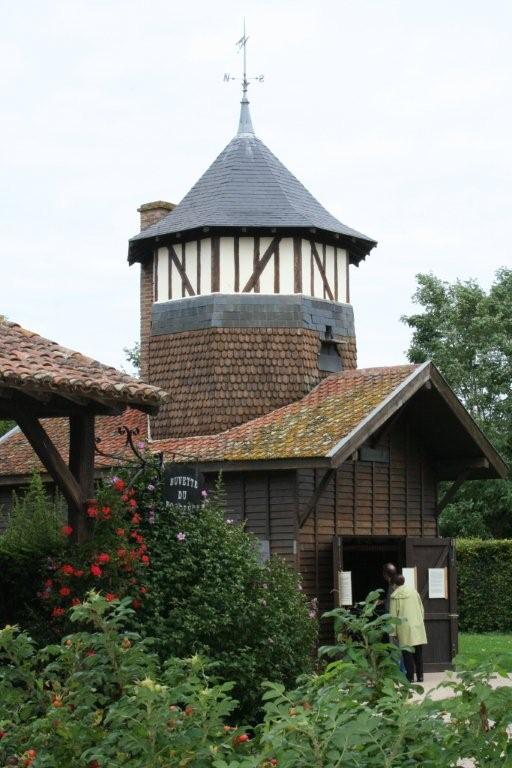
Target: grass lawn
484, 647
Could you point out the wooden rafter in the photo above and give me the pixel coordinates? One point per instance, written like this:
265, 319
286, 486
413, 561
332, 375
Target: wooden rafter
179, 266
321, 269
262, 263
315, 498
452, 490
81, 464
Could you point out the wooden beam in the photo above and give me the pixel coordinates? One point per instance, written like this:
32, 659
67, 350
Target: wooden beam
179, 266
452, 490
297, 265
447, 468
215, 264
50, 457
262, 263
322, 485
81, 464
321, 269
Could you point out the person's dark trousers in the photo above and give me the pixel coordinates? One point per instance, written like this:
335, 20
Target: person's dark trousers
414, 661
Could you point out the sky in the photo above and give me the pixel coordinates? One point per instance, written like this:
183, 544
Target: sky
395, 114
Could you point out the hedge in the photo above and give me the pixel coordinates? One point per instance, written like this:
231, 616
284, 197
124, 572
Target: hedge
484, 579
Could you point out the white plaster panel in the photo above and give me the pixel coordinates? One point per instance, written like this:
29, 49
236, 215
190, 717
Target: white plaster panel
176, 281
245, 259
163, 274
330, 255
306, 267
191, 263
267, 276
342, 274
206, 265
286, 281
227, 264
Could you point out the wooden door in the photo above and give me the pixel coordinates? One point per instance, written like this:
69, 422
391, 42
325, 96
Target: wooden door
441, 617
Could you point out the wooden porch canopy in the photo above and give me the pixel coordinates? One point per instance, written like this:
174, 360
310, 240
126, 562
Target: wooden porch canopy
40, 379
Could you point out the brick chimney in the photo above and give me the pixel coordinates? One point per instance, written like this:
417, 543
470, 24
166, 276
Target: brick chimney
150, 213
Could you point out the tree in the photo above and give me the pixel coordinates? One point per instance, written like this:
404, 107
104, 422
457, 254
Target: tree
132, 355
5, 426
467, 333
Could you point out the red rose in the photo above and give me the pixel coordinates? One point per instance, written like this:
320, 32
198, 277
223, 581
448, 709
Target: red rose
75, 601
119, 484
94, 764
121, 552
79, 573
132, 503
2, 734
136, 604
143, 590
92, 512
67, 569
66, 530
90, 652
119, 531
48, 583
136, 519
145, 560
95, 570
103, 558
110, 596
64, 591
57, 612
189, 710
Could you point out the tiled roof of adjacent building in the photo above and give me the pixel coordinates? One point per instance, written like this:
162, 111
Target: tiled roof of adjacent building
310, 427
247, 186
32, 363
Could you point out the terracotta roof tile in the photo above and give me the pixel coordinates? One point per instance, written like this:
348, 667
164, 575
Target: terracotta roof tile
308, 428
30, 361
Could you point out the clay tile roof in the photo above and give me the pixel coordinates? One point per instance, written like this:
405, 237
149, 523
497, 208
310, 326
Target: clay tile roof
18, 458
30, 361
310, 427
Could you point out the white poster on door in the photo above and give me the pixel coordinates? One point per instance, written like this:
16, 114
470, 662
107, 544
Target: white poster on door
409, 575
438, 583
345, 587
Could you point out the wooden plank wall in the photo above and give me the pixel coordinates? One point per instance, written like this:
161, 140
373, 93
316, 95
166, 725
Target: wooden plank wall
366, 498
267, 503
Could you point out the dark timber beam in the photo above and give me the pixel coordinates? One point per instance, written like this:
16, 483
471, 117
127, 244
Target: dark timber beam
50, 458
322, 485
262, 263
81, 464
322, 271
452, 490
177, 263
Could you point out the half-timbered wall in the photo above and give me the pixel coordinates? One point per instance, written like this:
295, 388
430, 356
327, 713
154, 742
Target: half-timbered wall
225, 265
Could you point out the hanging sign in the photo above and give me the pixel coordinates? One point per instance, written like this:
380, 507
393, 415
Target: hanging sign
183, 485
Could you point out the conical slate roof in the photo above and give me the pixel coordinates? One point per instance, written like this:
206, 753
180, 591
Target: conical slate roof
247, 186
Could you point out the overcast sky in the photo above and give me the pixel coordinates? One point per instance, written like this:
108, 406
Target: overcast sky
396, 115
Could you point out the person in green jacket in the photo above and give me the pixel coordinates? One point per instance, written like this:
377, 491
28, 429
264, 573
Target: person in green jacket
406, 605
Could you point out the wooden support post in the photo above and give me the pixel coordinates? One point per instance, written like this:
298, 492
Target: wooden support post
81, 464
262, 263
50, 457
322, 485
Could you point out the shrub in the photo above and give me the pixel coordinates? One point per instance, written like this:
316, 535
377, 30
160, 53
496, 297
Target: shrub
484, 576
32, 537
209, 594
102, 698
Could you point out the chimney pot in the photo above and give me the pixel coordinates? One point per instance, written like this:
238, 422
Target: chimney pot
150, 213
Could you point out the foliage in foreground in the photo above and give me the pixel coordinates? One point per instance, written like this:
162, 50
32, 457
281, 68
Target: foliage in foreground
101, 698
467, 333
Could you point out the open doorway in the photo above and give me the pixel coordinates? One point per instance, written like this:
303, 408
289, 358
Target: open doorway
365, 557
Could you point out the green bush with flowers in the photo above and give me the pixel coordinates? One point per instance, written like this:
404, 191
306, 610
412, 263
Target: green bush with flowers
102, 698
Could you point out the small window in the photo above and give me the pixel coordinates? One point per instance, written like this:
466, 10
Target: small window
329, 359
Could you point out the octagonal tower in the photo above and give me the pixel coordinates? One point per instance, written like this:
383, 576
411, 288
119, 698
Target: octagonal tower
245, 301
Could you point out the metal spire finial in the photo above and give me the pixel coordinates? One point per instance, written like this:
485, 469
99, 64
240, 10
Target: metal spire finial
245, 124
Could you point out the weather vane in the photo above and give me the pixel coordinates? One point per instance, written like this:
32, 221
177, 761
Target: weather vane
242, 45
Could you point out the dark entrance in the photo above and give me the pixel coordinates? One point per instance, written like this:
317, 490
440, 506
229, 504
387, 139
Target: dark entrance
364, 557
